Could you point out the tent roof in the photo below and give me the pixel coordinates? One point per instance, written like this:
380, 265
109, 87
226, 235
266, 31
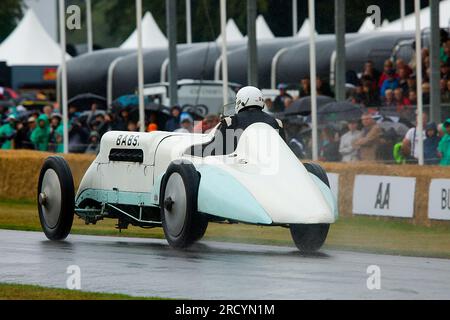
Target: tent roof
410, 20
367, 26
304, 30
152, 36
262, 29
233, 33
30, 45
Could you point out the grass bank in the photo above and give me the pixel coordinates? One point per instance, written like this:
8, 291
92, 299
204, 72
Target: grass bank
366, 234
30, 292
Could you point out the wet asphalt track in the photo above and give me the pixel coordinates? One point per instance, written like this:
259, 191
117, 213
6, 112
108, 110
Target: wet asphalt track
213, 270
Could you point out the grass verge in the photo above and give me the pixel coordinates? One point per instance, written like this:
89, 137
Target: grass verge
30, 292
360, 233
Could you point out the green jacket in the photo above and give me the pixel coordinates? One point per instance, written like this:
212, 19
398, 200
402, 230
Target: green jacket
5, 131
444, 149
397, 152
41, 136
59, 132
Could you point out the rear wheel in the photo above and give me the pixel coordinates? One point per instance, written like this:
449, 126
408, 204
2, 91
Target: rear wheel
182, 224
311, 237
56, 194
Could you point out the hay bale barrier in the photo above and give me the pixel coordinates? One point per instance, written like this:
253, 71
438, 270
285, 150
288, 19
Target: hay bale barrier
19, 173
423, 175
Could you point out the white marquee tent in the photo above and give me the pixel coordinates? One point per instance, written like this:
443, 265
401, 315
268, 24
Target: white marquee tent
410, 20
152, 36
233, 33
30, 45
305, 28
262, 29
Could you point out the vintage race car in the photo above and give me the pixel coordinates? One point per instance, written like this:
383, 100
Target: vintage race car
154, 179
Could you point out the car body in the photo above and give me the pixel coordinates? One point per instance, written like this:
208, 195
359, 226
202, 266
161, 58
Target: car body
261, 182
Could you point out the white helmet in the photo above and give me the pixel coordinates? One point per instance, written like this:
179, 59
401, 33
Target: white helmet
248, 97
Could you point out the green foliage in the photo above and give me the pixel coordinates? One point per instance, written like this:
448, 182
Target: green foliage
10, 14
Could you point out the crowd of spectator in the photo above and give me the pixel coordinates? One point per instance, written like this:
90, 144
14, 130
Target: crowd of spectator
362, 139
43, 129
393, 90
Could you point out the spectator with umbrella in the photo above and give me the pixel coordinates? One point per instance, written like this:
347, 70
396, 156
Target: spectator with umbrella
329, 148
389, 101
323, 88
174, 122
94, 143
55, 122
59, 139
348, 152
122, 120
78, 136
22, 139
207, 124
431, 144
411, 141
367, 144
186, 123
305, 87
278, 104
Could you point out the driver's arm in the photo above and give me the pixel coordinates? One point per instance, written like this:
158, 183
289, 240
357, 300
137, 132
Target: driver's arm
281, 129
220, 136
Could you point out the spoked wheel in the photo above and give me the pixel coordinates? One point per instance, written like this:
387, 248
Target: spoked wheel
181, 222
56, 196
311, 237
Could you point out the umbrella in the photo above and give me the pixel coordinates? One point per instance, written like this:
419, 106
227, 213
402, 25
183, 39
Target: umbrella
339, 111
83, 117
399, 128
198, 112
8, 94
303, 106
394, 116
129, 100
84, 101
162, 113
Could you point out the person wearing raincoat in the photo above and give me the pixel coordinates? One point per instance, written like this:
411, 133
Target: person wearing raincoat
41, 134
59, 134
7, 132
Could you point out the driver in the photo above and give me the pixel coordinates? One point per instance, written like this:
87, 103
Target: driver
249, 107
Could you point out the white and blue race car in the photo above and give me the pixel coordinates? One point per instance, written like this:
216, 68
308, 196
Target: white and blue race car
153, 180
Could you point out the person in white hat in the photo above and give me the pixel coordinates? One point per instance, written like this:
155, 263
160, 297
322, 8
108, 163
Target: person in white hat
249, 107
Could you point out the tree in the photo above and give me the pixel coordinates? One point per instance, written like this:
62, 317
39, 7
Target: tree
10, 14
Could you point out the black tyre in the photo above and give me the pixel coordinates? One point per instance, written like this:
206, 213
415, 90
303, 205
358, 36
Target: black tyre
311, 237
56, 198
181, 222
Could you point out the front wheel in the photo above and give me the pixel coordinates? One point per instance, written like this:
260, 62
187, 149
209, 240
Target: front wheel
55, 195
311, 237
